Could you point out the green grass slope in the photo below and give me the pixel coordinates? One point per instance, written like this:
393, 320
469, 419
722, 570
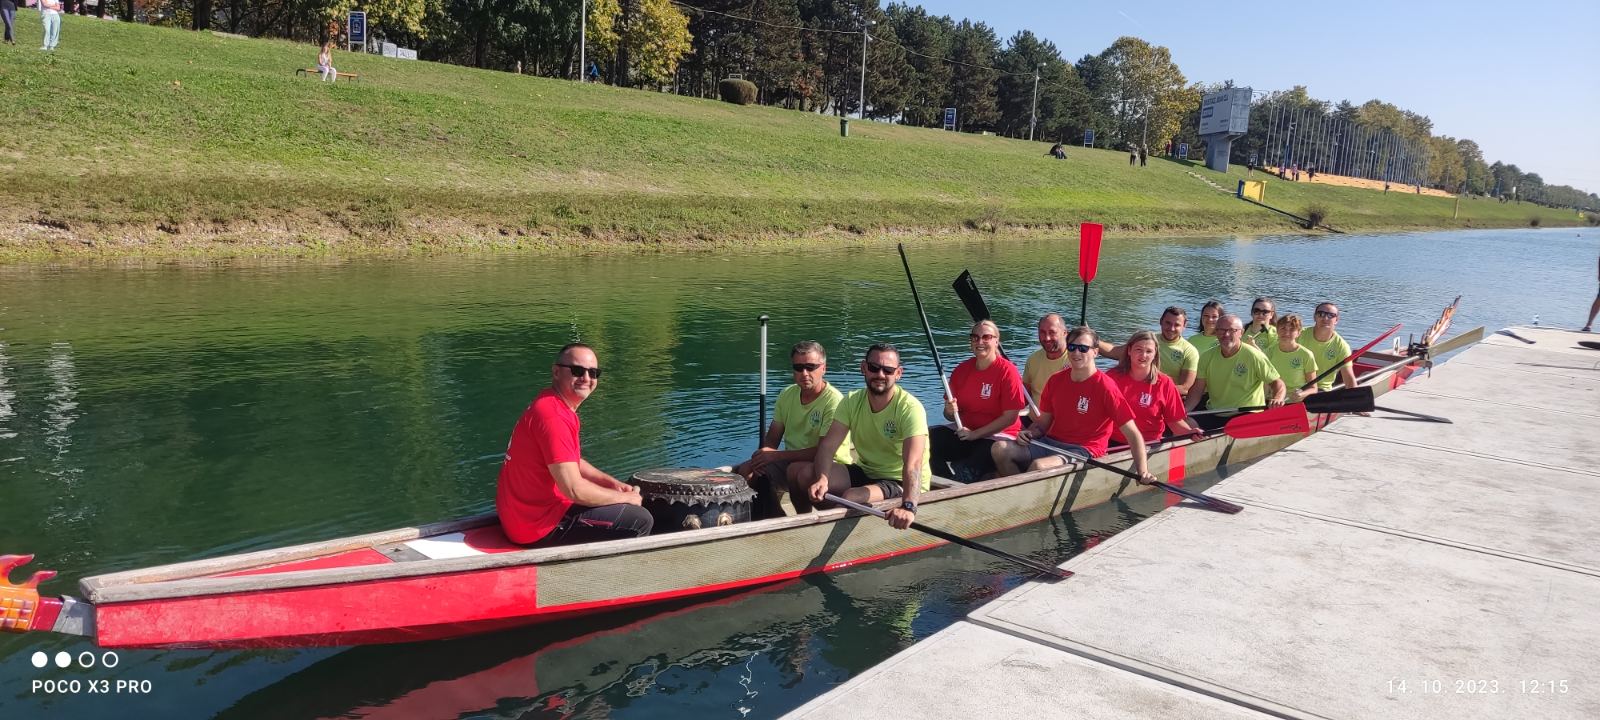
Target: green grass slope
138, 140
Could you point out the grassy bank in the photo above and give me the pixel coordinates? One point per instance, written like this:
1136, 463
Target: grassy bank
137, 140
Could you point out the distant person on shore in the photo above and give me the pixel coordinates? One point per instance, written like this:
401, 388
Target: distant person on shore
50, 13
1133, 155
1058, 152
1169, 148
547, 493
1143, 155
8, 12
325, 63
1594, 309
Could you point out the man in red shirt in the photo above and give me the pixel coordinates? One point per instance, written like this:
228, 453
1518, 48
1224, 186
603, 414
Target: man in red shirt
1078, 411
548, 494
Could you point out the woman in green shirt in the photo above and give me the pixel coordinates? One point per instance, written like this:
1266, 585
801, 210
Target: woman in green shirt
1207, 337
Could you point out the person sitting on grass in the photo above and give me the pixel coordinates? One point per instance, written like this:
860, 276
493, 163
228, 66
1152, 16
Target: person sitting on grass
1058, 152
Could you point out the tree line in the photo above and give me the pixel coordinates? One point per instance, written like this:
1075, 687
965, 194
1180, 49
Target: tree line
807, 55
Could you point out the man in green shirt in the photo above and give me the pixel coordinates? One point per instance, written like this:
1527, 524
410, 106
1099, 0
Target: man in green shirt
804, 412
890, 431
1176, 357
1328, 347
1235, 373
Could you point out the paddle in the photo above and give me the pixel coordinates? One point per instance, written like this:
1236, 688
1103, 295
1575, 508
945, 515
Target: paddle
1592, 345
1342, 400
761, 432
927, 330
1417, 415
1217, 504
1281, 420
1035, 566
1354, 355
1510, 334
1088, 262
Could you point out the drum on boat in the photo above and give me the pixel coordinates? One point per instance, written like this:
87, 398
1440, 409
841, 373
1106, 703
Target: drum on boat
692, 498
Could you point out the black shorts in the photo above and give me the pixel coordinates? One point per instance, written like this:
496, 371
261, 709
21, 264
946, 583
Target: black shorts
889, 488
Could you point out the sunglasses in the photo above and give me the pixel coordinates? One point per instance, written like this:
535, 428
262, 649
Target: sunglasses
1075, 347
984, 336
1327, 314
806, 367
579, 370
1260, 311
877, 369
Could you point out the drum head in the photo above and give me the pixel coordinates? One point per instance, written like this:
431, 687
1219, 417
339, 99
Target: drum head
692, 485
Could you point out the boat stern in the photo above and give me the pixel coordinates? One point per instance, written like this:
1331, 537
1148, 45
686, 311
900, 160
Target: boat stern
22, 609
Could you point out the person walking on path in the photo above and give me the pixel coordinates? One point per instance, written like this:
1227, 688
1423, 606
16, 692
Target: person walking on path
50, 12
8, 13
1594, 308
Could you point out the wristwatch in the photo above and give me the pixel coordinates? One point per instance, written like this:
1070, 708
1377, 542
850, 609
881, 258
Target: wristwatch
908, 505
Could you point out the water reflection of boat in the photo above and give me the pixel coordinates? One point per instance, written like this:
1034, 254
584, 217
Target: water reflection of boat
462, 577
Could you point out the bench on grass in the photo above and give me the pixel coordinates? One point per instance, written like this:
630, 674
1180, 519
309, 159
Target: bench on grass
318, 73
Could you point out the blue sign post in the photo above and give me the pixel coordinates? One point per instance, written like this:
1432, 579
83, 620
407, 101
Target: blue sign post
949, 118
1183, 151
357, 28
1088, 138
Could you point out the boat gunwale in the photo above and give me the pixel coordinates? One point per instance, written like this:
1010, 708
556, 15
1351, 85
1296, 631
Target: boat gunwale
193, 578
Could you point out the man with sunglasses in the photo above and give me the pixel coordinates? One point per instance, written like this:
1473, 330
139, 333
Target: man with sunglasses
548, 494
804, 412
1235, 373
889, 429
1328, 347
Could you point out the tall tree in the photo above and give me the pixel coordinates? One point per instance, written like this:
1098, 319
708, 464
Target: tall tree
974, 83
1153, 92
927, 43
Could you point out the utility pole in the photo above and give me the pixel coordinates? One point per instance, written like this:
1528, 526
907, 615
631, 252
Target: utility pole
1033, 115
866, 27
583, 37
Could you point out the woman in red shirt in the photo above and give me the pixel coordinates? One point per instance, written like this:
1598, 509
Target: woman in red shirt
1078, 411
988, 397
1151, 396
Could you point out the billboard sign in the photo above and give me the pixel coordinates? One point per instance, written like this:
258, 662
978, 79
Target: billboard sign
1225, 111
357, 28
949, 118
1088, 138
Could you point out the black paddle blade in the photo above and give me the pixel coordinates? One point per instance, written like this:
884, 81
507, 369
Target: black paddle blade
967, 289
1592, 345
1343, 400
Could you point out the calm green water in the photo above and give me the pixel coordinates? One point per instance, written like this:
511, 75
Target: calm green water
157, 413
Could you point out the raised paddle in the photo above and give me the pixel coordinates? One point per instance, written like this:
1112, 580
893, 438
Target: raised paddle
761, 431
967, 289
1035, 566
1342, 400
1089, 235
927, 330
1217, 504
1354, 355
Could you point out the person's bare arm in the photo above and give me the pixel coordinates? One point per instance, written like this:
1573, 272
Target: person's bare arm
910, 480
1196, 391
822, 460
591, 490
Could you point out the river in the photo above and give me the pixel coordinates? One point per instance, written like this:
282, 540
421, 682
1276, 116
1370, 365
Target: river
158, 412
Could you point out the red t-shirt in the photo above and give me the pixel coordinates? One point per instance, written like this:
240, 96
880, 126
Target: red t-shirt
1083, 413
527, 498
983, 395
1152, 405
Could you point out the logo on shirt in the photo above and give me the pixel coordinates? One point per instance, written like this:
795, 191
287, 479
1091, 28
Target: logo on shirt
1296, 362
1240, 370
1083, 404
814, 419
1175, 355
1145, 399
985, 391
890, 429
1328, 353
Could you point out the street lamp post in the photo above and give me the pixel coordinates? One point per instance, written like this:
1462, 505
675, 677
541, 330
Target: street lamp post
583, 37
866, 27
1033, 115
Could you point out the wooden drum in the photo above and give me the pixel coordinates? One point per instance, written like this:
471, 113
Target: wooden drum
691, 498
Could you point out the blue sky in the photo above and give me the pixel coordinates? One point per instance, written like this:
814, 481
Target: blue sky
1520, 78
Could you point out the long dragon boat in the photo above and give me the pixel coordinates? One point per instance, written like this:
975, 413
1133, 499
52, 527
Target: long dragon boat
463, 576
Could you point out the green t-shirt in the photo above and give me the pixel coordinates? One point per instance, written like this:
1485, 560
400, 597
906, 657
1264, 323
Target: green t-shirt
1176, 356
1238, 381
804, 425
1292, 366
1202, 343
1265, 340
1328, 353
879, 436
1038, 370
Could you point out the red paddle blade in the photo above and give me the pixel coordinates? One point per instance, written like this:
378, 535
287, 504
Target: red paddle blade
1089, 250
1279, 421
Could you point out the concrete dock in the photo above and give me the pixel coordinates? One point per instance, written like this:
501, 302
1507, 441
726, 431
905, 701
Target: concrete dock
1384, 568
